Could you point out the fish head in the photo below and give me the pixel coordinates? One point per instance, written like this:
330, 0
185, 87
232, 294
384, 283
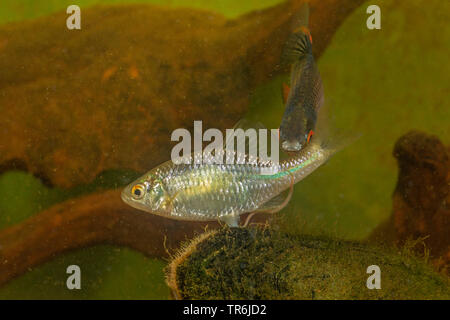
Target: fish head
147, 194
296, 140
291, 145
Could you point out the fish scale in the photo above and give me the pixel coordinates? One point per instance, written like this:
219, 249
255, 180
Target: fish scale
221, 191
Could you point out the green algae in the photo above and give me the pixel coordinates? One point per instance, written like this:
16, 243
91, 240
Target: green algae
22, 195
260, 263
106, 273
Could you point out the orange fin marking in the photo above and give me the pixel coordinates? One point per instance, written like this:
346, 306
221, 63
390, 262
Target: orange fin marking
310, 134
285, 92
307, 32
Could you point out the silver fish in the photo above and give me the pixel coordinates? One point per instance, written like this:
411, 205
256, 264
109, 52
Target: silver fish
223, 192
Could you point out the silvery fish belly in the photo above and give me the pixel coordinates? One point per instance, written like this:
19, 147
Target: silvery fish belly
218, 191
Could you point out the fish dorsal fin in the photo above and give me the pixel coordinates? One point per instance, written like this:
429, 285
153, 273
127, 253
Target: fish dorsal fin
246, 123
251, 143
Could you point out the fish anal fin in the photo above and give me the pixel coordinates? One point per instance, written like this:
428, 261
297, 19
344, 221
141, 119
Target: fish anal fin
231, 220
275, 204
279, 202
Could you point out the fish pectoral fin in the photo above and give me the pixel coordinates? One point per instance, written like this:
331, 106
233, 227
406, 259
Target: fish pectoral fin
285, 92
279, 202
168, 203
232, 220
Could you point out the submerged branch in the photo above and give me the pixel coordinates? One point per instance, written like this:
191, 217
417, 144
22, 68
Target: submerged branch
89, 220
100, 218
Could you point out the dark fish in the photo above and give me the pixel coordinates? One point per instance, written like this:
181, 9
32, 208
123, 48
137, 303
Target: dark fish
305, 96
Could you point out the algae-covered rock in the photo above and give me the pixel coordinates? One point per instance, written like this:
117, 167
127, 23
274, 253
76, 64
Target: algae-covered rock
257, 263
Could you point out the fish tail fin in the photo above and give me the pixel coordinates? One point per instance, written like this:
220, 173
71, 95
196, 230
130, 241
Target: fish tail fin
329, 137
299, 42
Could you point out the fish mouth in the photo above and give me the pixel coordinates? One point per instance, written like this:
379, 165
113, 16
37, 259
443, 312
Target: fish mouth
125, 195
291, 146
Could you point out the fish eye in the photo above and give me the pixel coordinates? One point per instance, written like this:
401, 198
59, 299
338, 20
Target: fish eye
138, 191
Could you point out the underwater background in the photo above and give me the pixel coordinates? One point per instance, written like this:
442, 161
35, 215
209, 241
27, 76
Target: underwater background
381, 83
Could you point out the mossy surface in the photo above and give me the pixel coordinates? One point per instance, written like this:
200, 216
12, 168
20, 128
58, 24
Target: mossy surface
256, 263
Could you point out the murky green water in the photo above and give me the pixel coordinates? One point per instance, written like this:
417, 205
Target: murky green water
378, 83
